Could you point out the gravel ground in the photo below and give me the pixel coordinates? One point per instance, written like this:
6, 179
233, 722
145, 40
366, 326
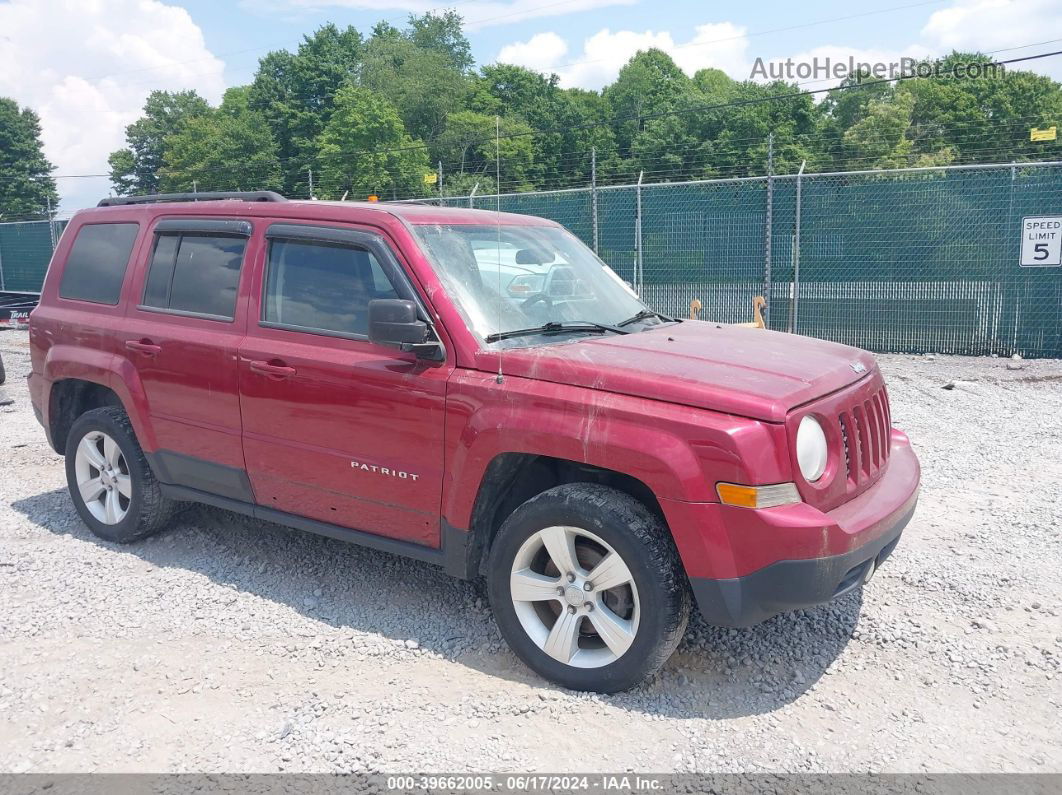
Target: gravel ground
227, 644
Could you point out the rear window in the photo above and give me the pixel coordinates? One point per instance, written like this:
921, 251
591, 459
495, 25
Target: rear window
95, 267
195, 274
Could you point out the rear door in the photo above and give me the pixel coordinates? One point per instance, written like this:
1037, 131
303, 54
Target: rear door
182, 336
335, 427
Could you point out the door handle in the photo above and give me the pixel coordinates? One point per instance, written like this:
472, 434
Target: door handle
270, 369
146, 347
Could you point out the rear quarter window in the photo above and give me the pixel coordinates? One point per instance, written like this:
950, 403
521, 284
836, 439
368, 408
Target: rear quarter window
95, 267
195, 274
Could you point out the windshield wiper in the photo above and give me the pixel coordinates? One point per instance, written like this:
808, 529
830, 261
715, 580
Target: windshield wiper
553, 327
645, 314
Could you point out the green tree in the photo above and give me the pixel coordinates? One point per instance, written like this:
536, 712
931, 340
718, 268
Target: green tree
583, 118
26, 184
650, 84
295, 93
230, 148
531, 97
135, 169
845, 107
739, 133
364, 149
948, 118
122, 165
567, 123
442, 33
985, 119
715, 85
423, 84
669, 148
880, 138
652, 118
469, 145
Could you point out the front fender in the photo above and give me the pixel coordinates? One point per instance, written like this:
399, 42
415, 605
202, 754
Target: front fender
677, 451
664, 464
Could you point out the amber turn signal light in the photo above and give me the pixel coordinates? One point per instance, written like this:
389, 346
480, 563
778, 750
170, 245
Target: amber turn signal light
757, 496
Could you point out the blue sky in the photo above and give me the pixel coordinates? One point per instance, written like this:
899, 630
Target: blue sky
240, 31
772, 30
88, 76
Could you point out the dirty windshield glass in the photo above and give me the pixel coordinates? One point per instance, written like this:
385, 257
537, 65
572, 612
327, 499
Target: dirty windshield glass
509, 277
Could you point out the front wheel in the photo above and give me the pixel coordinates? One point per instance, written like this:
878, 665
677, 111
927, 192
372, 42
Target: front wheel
587, 588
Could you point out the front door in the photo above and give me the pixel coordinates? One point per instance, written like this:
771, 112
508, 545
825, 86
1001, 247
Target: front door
337, 428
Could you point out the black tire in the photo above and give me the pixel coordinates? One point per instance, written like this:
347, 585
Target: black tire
3, 373
148, 511
645, 545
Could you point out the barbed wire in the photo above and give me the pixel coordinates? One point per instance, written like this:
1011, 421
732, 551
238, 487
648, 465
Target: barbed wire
699, 154
639, 118
971, 191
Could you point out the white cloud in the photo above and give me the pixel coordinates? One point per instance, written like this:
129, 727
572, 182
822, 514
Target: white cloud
981, 25
720, 45
988, 25
476, 13
542, 48
86, 67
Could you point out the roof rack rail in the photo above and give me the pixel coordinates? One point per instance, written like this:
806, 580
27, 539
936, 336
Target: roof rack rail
207, 196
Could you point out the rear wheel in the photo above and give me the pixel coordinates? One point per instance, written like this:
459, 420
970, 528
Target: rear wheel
587, 588
110, 482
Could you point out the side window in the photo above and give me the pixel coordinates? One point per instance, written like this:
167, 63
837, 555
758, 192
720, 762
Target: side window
321, 286
95, 267
195, 273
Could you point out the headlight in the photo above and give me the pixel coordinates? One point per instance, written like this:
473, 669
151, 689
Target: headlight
811, 449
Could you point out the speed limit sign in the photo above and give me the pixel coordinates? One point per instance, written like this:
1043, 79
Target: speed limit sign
1041, 241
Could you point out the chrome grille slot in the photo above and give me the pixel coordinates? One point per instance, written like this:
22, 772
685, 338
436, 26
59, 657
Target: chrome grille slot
843, 421
865, 429
858, 428
863, 463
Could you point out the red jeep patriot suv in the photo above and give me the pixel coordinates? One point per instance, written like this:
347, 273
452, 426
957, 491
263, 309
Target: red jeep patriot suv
472, 389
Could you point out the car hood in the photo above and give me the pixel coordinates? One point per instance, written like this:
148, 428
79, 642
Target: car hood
733, 369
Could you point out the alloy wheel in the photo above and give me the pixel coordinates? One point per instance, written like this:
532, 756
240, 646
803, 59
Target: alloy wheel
574, 596
103, 477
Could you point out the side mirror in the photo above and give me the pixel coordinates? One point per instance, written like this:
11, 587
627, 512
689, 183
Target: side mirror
393, 321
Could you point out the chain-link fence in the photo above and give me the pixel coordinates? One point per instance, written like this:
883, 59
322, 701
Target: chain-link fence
913, 260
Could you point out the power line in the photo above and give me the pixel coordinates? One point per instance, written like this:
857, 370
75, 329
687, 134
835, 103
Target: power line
615, 120
702, 108
645, 117
708, 149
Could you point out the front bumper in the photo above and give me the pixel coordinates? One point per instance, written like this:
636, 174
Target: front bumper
792, 584
777, 559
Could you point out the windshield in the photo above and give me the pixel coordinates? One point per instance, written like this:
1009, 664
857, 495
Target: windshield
507, 277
